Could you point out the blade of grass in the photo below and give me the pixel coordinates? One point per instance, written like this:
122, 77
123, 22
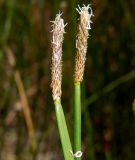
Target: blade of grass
110, 87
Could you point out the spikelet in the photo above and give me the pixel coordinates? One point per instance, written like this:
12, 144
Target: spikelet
81, 42
57, 40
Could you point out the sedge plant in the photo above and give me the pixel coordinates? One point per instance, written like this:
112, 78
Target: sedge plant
81, 49
57, 40
80, 58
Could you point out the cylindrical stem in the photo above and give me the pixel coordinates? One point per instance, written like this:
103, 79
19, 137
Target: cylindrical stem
77, 120
63, 131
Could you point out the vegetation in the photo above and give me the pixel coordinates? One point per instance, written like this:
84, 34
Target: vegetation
107, 90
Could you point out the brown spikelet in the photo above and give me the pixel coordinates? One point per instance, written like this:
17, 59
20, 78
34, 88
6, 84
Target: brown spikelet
81, 42
57, 40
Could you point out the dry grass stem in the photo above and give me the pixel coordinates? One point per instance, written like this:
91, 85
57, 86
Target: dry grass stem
57, 40
81, 42
23, 97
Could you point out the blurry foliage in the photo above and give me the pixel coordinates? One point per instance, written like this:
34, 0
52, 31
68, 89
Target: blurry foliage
108, 122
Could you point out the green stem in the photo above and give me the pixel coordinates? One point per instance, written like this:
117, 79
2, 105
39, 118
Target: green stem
63, 131
108, 156
77, 120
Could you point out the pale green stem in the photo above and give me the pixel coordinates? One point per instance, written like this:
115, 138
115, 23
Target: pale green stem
77, 120
63, 131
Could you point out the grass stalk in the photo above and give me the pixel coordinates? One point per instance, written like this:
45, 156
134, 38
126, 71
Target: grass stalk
77, 119
63, 131
57, 41
81, 49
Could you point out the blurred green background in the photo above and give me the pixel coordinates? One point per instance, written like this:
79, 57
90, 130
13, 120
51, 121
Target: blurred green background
108, 89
